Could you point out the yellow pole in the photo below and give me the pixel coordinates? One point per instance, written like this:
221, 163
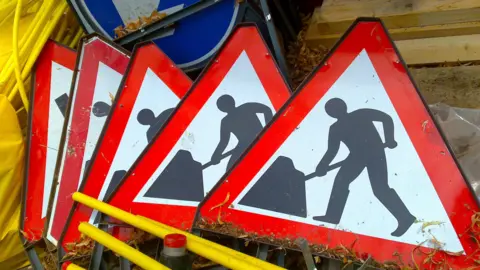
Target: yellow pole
76, 38
37, 49
61, 30
74, 267
212, 251
120, 247
203, 241
69, 35
197, 244
30, 37
16, 62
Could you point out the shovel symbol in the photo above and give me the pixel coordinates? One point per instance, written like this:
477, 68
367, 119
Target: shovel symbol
224, 155
331, 167
182, 178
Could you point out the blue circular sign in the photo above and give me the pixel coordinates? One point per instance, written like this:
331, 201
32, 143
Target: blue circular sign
192, 41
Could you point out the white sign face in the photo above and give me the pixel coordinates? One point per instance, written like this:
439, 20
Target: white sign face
223, 128
153, 106
108, 81
106, 85
60, 83
362, 187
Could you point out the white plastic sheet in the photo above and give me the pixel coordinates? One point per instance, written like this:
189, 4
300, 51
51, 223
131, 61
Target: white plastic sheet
462, 130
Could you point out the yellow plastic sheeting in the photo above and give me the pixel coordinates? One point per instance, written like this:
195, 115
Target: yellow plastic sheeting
6, 37
7, 10
11, 176
38, 20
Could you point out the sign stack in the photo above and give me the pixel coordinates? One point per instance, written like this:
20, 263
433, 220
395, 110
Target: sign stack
353, 158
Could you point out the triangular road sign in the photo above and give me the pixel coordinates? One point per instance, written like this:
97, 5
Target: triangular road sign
353, 159
152, 88
99, 71
218, 118
49, 98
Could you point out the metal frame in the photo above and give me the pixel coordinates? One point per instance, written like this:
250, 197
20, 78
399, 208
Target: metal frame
97, 253
207, 249
272, 31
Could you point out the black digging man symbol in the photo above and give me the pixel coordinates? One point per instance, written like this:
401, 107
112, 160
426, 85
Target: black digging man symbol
62, 102
183, 171
242, 122
145, 117
367, 151
99, 109
282, 187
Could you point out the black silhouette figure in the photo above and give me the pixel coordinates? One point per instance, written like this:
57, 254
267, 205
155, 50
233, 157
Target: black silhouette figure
242, 122
280, 189
62, 102
101, 109
147, 117
144, 117
367, 151
182, 178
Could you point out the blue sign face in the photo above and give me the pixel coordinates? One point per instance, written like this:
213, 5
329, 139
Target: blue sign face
193, 40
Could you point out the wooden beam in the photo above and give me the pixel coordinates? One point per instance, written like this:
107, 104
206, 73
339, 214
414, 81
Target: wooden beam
440, 50
335, 16
456, 86
451, 49
313, 38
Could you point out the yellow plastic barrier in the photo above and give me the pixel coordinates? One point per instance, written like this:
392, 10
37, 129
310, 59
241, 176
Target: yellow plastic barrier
120, 247
212, 251
11, 176
25, 26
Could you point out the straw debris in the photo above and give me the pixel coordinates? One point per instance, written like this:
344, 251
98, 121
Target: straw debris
141, 22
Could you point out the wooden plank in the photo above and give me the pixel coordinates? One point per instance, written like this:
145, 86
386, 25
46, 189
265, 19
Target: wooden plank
439, 50
451, 49
335, 16
456, 86
313, 38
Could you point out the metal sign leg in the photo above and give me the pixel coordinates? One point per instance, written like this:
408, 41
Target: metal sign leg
282, 64
33, 257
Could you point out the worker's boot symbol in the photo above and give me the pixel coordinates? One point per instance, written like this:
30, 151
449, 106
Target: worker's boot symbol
395, 205
335, 208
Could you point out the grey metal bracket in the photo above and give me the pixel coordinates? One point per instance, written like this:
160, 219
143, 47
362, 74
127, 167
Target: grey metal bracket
33, 258
262, 251
272, 31
155, 29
